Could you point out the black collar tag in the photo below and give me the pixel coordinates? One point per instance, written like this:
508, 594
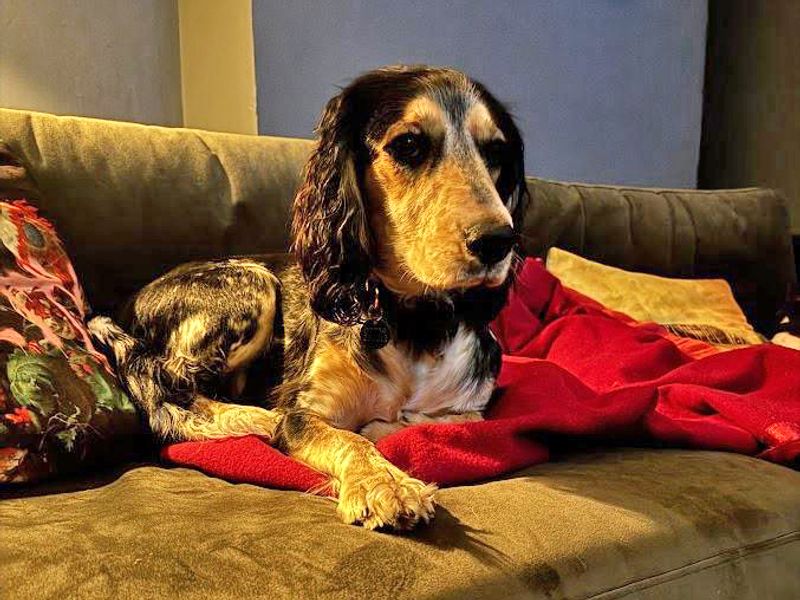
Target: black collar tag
375, 332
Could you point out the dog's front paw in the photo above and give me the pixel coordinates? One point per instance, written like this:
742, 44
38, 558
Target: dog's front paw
385, 498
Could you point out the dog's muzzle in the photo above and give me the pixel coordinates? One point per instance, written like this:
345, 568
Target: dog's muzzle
491, 245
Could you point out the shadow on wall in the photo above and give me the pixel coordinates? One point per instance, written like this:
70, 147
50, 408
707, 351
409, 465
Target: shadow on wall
604, 91
751, 123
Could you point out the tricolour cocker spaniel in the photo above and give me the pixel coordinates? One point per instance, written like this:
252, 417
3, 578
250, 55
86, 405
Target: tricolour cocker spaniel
402, 232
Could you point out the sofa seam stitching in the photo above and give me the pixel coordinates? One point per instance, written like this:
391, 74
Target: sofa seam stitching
655, 190
695, 232
721, 558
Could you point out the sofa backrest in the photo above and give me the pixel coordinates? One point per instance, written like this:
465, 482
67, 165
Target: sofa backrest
131, 201
741, 235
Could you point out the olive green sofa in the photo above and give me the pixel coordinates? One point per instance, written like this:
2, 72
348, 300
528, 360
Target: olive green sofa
132, 201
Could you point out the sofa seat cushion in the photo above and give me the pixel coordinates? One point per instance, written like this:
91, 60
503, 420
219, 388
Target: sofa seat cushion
606, 524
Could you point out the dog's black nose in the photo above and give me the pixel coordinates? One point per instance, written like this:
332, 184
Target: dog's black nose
491, 245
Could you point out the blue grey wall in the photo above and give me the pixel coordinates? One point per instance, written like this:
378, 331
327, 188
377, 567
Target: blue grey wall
604, 90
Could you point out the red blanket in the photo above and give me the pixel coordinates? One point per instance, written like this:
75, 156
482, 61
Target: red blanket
571, 368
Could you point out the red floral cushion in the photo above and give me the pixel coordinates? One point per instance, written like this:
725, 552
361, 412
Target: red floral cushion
60, 405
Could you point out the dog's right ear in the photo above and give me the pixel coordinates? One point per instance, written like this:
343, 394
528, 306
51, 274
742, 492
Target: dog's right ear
330, 237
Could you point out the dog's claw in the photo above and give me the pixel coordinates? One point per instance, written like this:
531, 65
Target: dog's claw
386, 500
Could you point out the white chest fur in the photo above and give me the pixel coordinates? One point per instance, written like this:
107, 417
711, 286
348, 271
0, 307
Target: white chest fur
429, 384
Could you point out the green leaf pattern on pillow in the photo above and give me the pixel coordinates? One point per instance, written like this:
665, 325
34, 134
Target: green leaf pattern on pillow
58, 396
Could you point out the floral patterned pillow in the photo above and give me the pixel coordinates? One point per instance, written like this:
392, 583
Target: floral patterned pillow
60, 406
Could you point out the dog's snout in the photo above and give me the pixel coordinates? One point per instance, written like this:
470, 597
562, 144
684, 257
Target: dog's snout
492, 244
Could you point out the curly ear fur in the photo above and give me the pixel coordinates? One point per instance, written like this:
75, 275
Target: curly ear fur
511, 184
520, 197
329, 222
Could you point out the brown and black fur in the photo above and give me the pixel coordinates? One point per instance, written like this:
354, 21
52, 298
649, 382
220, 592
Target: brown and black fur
410, 195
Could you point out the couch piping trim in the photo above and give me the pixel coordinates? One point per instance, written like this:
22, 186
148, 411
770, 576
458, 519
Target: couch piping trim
657, 190
724, 557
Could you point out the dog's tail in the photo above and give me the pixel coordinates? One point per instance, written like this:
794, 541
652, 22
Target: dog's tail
112, 337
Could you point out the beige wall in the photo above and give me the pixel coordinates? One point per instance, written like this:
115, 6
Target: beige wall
116, 59
751, 127
217, 65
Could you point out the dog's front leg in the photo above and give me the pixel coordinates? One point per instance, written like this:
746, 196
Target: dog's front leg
372, 491
376, 430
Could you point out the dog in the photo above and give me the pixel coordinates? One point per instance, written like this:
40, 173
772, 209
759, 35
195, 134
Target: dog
403, 241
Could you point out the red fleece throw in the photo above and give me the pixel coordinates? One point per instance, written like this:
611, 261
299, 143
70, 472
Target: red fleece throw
571, 368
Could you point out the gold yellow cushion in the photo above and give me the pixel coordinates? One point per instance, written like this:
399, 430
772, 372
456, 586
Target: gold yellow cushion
698, 308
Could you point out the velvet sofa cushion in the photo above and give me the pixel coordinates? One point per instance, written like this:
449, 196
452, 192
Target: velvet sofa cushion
132, 201
703, 309
618, 524
60, 406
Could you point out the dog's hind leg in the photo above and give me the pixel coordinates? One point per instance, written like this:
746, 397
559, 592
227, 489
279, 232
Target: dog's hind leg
209, 419
168, 385
187, 414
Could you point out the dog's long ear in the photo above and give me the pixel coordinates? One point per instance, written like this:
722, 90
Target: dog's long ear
511, 184
329, 224
519, 196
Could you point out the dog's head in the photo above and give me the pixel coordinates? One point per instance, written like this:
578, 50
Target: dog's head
417, 179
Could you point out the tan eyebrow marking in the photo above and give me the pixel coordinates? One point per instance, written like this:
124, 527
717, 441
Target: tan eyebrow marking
421, 114
481, 125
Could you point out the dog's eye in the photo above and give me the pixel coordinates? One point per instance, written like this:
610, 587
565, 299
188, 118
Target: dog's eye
409, 149
494, 153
